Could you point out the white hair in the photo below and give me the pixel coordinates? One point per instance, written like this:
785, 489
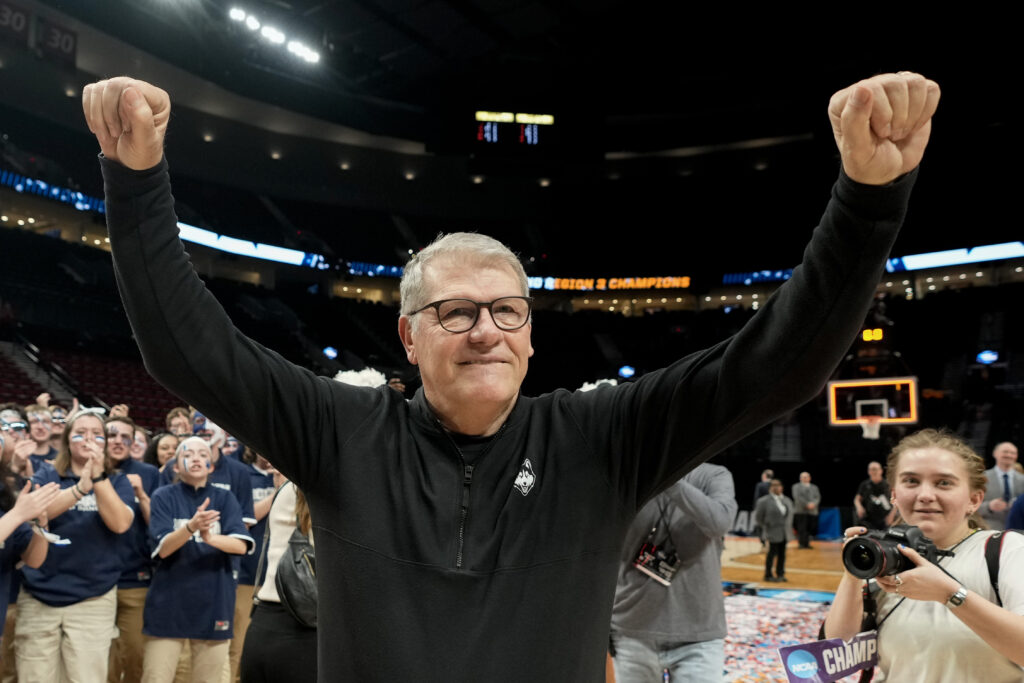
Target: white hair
588, 386
470, 248
367, 377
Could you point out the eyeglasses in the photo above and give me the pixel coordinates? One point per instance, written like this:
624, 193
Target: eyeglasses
126, 439
15, 426
509, 313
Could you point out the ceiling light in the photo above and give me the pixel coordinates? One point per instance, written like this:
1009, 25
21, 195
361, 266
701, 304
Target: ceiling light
477, 179
275, 155
544, 182
236, 14
207, 137
252, 23
409, 175
31, 220
344, 166
70, 92
272, 34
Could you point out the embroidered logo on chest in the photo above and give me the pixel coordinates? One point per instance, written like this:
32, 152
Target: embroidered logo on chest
525, 479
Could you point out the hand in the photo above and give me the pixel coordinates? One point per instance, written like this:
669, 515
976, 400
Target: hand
22, 450
924, 582
203, 519
32, 504
995, 505
129, 119
74, 406
120, 410
882, 125
43, 399
136, 482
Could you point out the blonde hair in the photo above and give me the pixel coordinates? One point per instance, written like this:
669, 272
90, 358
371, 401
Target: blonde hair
951, 443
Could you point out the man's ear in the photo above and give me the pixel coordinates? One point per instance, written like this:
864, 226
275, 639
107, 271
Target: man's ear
405, 334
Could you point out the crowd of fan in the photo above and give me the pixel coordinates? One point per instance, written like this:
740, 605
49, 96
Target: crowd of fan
126, 555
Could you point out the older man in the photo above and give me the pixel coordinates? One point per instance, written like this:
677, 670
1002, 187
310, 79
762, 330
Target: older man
1005, 483
481, 541
807, 502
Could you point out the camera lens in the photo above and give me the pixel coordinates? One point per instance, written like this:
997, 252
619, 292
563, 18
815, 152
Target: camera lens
863, 558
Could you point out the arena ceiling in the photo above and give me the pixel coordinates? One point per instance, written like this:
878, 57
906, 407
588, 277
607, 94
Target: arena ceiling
688, 138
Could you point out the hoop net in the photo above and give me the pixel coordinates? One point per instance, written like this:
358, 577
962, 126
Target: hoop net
871, 425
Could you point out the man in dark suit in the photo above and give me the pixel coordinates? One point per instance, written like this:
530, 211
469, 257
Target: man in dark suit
1005, 483
774, 514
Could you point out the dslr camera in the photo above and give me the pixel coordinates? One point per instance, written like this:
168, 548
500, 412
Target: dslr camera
876, 553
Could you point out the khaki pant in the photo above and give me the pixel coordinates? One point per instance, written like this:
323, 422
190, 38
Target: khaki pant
243, 608
68, 644
208, 664
8, 667
127, 649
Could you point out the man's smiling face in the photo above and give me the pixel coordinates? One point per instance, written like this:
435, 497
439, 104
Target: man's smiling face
483, 367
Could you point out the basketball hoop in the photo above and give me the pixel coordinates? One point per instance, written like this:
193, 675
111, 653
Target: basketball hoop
871, 425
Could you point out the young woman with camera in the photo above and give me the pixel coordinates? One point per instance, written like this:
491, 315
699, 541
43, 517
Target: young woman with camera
941, 621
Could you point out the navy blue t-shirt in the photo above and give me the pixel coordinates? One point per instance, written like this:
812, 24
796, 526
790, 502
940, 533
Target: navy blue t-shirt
230, 475
136, 553
262, 488
192, 594
91, 564
38, 460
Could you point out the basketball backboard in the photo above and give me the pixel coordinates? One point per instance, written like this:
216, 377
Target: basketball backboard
893, 400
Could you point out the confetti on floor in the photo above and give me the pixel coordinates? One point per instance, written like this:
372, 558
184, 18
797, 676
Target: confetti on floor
759, 625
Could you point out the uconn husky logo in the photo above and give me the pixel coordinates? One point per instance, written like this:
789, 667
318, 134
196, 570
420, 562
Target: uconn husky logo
525, 479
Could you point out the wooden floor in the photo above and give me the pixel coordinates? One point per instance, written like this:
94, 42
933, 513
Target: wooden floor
818, 568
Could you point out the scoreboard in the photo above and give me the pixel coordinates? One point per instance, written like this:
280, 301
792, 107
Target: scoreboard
505, 133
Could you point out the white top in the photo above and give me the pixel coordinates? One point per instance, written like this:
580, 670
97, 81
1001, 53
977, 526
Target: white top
924, 641
280, 525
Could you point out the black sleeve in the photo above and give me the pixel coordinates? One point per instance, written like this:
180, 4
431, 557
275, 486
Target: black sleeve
191, 347
656, 429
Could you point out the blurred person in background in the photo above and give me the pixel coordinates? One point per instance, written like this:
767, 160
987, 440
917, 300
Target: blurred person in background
40, 428
774, 515
160, 450
679, 627
872, 502
1005, 484
67, 607
807, 502
18, 446
140, 444
261, 474
59, 414
278, 649
126, 652
179, 422
20, 510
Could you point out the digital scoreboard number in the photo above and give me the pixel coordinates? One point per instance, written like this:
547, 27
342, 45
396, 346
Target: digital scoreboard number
504, 132
48, 39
